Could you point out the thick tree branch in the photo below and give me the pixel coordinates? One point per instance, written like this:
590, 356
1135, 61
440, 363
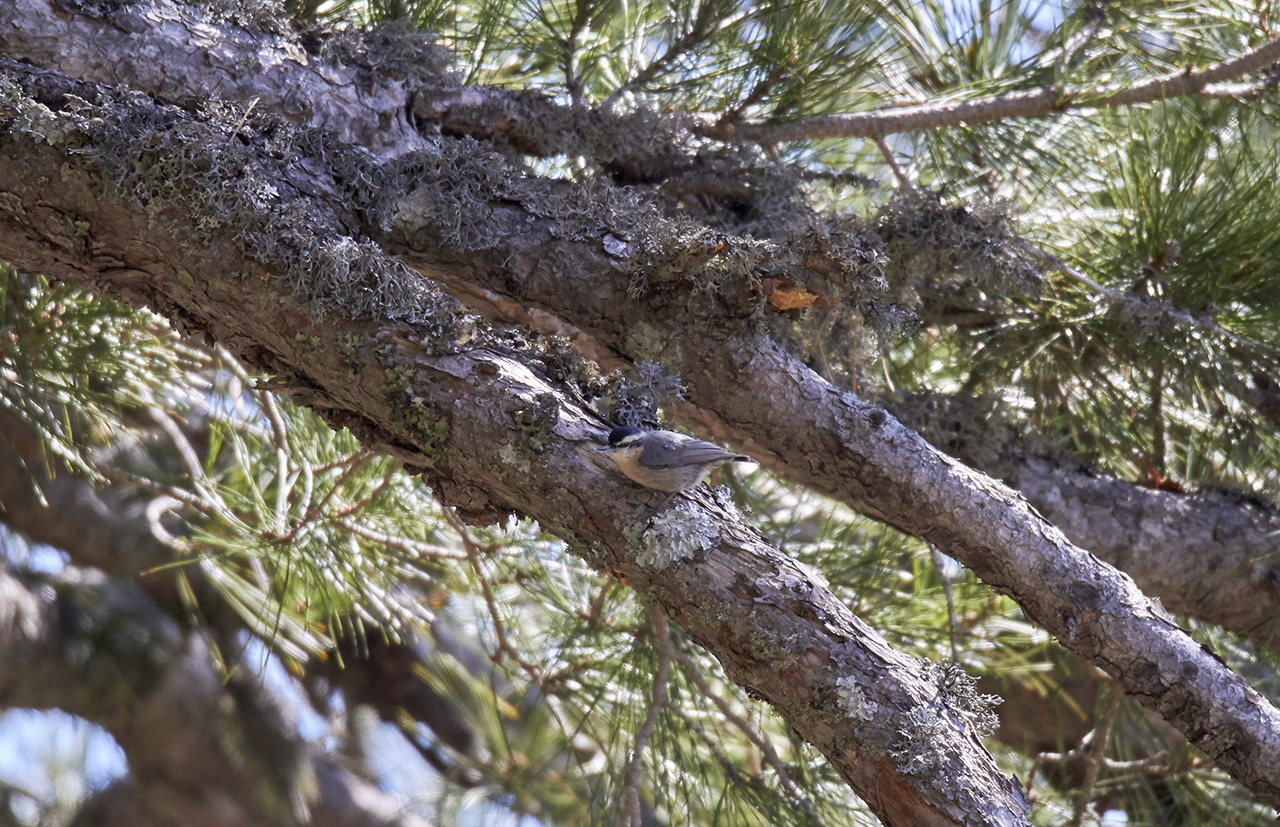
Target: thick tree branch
1240, 544
840, 445
205, 58
372, 89
849, 449
181, 53
474, 411
1212, 554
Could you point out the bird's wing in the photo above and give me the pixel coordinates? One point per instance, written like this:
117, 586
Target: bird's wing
676, 449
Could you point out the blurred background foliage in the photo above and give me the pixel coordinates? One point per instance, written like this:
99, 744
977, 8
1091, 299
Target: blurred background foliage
1107, 279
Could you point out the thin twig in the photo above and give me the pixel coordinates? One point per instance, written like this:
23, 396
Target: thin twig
474, 550
284, 463
904, 180
731, 771
314, 511
758, 93
1020, 104
186, 451
570, 49
1154, 765
408, 546
679, 46
1158, 445
694, 671
1097, 741
350, 459
156, 509
387, 479
597, 605
210, 505
1157, 765
631, 792
953, 621
1079, 40
1173, 313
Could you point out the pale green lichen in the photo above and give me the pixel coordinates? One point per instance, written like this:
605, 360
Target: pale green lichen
637, 396
853, 700
958, 691
678, 533
513, 457
917, 748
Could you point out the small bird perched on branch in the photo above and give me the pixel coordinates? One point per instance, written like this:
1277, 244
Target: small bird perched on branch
665, 460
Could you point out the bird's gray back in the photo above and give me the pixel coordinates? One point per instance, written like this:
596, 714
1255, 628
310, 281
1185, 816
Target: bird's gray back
664, 450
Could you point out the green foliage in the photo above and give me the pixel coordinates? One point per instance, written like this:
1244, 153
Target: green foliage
779, 58
267, 492
72, 362
1149, 367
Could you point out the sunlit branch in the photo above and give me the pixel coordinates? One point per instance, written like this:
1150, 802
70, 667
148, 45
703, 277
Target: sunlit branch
1020, 104
904, 180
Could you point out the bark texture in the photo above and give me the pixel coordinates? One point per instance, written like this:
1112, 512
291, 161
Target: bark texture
491, 430
464, 406
1209, 557
1212, 554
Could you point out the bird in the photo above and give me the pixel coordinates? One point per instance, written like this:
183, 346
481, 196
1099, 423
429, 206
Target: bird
665, 460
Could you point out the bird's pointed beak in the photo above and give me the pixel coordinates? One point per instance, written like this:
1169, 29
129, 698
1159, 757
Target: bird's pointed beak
605, 448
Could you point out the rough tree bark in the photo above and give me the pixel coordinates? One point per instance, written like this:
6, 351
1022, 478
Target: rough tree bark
464, 406
445, 396
1211, 556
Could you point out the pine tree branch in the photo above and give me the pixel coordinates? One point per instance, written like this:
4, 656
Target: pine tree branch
447, 397
102, 530
693, 670
105, 50
1089, 607
1095, 750
274, 70
1150, 307
766, 397
370, 109
631, 813
873, 442
100, 649
1213, 554
504, 648
706, 21
1022, 104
